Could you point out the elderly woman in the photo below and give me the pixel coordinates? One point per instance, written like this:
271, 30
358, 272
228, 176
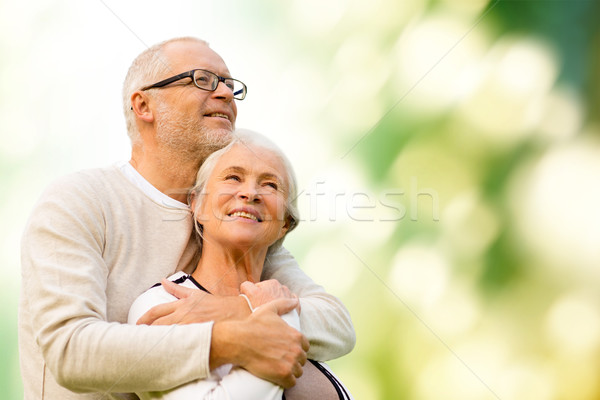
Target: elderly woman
244, 205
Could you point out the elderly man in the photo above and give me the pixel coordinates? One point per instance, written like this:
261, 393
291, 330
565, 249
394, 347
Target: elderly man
98, 238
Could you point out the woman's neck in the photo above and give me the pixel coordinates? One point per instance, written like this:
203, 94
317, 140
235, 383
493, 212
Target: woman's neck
222, 270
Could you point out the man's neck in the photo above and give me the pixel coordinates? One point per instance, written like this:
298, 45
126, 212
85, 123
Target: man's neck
173, 178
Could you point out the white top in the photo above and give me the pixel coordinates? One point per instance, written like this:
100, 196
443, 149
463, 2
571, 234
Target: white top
138, 180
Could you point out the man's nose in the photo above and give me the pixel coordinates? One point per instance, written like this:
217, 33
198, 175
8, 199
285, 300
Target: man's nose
223, 92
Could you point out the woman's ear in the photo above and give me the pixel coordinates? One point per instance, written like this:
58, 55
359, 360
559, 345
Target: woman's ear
192, 200
140, 105
197, 206
287, 226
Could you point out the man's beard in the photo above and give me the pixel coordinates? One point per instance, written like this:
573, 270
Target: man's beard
186, 137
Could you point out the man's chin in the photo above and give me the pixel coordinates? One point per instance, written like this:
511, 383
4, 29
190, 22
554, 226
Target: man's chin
219, 137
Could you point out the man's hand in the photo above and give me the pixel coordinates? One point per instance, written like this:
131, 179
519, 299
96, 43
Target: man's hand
194, 306
266, 291
263, 344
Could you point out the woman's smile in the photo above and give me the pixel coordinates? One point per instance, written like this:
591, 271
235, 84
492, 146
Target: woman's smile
246, 213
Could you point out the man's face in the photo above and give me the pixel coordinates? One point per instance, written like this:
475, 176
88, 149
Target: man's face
190, 120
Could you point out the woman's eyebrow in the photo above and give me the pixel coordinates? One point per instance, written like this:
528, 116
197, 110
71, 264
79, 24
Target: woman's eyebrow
283, 185
242, 170
234, 168
269, 175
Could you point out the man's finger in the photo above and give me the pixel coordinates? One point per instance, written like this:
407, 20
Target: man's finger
305, 346
297, 370
155, 313
287, 383
169, 319
177, 290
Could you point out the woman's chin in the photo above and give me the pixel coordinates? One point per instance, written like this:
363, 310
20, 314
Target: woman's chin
245, 243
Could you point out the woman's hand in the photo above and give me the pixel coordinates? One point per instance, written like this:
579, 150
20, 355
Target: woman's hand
266, 291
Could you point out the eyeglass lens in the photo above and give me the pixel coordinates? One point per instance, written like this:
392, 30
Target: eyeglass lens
209, 81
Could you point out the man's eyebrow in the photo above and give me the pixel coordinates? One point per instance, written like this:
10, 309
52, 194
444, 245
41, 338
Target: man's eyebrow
227, 75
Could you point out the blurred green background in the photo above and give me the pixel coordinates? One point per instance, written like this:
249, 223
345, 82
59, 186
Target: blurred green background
448, 152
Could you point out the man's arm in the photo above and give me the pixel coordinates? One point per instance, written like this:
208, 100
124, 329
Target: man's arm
65, 283
262, 342
324, 319
229, 383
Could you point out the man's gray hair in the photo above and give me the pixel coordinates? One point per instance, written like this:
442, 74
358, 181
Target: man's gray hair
249, 138
147, 67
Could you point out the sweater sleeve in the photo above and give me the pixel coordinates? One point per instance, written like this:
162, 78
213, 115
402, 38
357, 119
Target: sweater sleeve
65, 281
325, 321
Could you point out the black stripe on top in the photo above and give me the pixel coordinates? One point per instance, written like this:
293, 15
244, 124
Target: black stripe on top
339, 388
182, 279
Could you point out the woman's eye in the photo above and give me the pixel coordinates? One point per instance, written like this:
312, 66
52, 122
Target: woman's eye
272, 184
233, 177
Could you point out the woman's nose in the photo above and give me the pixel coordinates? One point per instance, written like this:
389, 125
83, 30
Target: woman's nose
249, 193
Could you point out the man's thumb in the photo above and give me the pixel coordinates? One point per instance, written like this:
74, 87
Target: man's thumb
176, 290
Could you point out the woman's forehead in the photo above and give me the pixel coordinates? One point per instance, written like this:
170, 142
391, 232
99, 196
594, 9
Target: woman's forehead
252, 157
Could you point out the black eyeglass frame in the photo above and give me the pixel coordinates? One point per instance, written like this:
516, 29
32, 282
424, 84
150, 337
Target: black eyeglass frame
239, 95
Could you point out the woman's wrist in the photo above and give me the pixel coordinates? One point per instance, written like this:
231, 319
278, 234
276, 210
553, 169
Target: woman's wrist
247, 301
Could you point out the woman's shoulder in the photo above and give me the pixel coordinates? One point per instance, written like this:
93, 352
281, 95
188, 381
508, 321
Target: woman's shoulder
152, 297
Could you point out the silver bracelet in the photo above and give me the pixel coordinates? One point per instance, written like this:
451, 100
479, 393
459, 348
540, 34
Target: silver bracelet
248, 301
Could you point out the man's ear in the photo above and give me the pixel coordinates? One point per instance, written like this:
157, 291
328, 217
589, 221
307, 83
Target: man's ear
141, 107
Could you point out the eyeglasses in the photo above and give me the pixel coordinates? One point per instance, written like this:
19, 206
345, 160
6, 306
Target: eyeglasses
206, 80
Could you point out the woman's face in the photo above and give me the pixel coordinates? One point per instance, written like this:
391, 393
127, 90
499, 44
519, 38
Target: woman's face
244, 202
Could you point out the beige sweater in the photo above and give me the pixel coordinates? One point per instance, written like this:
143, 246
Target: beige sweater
93, 243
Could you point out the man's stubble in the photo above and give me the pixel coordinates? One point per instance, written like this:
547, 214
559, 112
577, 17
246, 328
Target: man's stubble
185, 137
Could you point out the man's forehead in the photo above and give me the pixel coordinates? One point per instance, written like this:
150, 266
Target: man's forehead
186, 55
